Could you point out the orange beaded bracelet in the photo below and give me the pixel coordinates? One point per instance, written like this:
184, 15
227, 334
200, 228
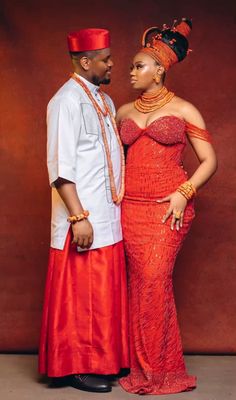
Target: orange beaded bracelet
76, 218
187, 190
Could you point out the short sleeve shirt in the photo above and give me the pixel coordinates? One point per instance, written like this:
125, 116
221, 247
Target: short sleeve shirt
76, 152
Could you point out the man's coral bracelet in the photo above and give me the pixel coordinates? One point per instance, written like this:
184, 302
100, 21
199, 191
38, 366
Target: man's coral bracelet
76, 218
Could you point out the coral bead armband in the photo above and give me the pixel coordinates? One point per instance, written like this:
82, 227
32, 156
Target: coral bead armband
187, 190
76, 218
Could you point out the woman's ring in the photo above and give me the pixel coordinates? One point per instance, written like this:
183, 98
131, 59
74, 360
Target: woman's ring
177, 214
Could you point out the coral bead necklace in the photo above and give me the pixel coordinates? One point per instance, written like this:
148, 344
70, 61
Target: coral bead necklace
117, 198
151, 101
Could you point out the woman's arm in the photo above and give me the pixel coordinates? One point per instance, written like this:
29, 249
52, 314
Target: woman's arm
203, 149
208, 165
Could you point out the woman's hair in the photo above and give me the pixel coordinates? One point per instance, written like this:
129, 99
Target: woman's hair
175, 40
168, 45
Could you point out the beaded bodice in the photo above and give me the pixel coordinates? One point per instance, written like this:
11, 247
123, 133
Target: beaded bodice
154, 160
165, 130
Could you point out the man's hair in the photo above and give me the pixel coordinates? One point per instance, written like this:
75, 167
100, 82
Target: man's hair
77, 55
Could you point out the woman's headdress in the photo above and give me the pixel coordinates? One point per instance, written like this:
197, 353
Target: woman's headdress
167, 45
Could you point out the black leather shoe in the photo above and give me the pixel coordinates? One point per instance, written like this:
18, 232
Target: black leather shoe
58, 382
89, 383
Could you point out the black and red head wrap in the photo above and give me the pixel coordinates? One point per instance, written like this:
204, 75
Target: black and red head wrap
167, 45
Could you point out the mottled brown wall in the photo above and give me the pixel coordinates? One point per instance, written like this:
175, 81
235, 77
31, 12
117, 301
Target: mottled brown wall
34, 63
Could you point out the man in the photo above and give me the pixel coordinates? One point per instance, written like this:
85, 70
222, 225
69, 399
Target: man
84, 326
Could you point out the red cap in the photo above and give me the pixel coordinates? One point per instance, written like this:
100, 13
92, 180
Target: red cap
88, 39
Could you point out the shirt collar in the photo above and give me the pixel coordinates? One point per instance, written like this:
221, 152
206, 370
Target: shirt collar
93, 88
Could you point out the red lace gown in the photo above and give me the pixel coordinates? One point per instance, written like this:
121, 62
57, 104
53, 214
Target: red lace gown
153, 170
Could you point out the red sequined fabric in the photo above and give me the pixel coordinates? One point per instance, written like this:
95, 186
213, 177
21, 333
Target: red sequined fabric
154, 169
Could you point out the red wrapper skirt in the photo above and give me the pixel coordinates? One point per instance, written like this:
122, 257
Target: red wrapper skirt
85, 321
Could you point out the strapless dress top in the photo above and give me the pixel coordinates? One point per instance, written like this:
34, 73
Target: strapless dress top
154, 159
166, 130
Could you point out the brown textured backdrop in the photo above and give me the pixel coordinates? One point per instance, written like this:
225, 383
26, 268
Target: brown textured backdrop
34, 63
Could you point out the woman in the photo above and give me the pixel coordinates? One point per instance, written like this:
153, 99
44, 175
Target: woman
158, 209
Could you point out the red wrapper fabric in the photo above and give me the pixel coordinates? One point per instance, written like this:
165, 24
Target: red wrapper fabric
84, 323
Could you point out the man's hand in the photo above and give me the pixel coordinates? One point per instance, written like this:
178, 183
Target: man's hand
82, 230
82, 234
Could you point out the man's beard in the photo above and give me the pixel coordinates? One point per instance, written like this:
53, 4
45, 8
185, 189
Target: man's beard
98, 81
106, 81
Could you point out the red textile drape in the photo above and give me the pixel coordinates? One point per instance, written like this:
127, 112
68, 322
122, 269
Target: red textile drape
84, 325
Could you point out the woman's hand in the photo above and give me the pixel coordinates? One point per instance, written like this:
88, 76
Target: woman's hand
176, 208
82, 234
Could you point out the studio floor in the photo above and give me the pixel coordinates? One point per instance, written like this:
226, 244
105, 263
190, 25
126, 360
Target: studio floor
19, 381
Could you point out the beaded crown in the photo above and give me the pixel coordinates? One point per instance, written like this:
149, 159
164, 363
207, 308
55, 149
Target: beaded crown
169, 44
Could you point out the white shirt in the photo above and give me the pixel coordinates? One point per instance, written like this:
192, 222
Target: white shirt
76, 152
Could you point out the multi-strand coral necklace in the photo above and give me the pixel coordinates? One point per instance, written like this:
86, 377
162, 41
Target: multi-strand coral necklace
116, 197
151, 101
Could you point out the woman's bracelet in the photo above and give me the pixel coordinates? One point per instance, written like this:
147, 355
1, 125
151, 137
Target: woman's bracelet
187, 190
76, 218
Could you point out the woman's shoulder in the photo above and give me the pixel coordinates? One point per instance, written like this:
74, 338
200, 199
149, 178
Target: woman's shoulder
124, 111
182, 103
188, 112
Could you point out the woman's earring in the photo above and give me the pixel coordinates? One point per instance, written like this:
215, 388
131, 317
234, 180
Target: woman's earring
157, 78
